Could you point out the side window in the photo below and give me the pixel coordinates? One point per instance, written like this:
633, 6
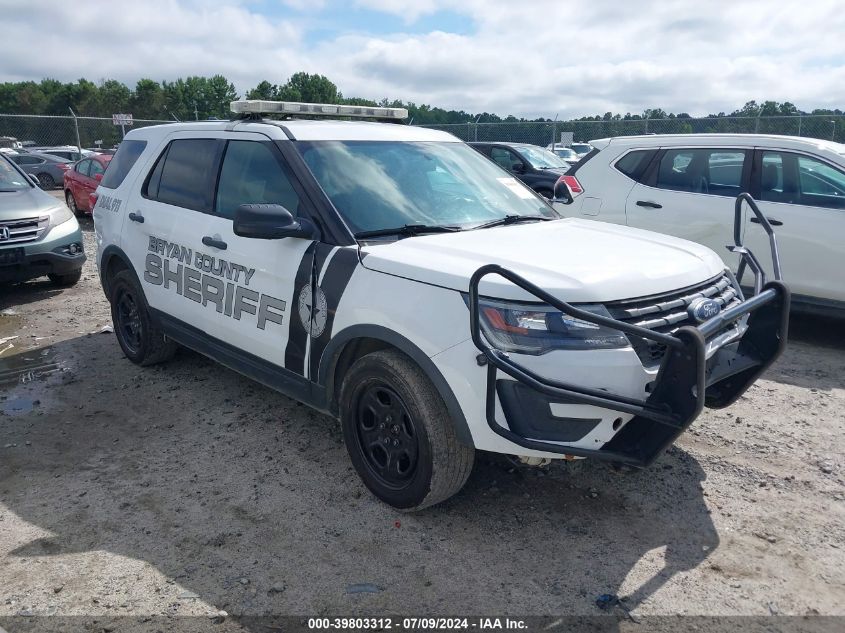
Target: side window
710, 171
185, 174
821, 184
633, 164
771, 178
251, 173
83, 167
123, 160
505, 158
96, 168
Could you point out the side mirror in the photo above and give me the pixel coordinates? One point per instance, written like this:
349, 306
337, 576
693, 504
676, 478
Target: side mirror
562, 193
270, 222
33, 180
98, 177
518, 168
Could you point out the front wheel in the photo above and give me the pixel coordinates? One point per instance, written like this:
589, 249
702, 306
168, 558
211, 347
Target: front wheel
140, 340
398, 433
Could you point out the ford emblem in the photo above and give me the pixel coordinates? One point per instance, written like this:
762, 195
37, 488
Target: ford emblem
702, 309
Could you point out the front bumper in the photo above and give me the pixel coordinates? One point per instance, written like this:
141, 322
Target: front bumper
692, 374
49, 255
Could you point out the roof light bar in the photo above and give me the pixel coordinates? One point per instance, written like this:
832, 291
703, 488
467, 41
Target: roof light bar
256, 106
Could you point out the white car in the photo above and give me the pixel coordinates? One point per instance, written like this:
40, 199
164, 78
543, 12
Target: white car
395, 278
686, 186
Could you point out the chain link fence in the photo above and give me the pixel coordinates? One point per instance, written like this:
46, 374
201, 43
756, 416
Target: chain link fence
830, 127
39, 130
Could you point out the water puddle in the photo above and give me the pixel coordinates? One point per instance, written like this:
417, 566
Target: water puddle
18, 405
28, 366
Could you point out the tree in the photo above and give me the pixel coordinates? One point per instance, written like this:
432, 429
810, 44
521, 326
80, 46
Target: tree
309, 89
148, 100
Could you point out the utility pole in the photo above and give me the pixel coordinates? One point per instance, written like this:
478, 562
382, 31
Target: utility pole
196, 114
833, 131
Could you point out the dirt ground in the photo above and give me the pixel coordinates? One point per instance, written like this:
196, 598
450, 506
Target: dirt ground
186, 489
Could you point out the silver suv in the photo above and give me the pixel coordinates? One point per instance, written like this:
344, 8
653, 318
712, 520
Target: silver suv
38, 234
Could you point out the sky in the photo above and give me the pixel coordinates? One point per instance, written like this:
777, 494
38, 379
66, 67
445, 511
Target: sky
533, 58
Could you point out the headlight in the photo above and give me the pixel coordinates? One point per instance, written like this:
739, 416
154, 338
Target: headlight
537, 329
60, 215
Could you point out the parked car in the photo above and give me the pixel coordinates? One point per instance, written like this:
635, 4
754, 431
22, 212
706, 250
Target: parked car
568, 154
48, 169
538, 168
686, 185
70, 152
391, 276
582, 149
82, 180
38, 234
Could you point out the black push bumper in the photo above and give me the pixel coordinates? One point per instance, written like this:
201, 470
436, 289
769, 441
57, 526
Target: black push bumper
687, 380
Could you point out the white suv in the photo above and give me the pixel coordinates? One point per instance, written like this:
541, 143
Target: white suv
397, 279
686, 185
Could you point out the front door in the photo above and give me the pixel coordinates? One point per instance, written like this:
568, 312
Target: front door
804, 198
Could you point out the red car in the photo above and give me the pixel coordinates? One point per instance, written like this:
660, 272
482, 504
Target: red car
82, 180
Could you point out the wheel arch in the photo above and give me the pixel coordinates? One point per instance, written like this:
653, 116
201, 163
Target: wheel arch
113, 261
350, 344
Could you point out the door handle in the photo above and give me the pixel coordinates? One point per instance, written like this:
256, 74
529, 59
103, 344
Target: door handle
649, 204
772, 221
214, 242
136, 217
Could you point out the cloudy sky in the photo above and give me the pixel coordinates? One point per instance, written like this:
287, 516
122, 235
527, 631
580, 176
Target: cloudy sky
529, 58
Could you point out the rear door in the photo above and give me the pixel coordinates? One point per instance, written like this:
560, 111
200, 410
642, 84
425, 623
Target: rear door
804, 198
690, 193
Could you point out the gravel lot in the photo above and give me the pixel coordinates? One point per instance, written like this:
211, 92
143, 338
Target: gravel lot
186, 489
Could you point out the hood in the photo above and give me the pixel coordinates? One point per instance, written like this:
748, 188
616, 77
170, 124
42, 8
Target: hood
578, 261
27, 203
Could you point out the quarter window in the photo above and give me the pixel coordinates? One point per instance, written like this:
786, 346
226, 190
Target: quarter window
123, 160
634, 163
83, 167
96, 168
716, 172
251, 173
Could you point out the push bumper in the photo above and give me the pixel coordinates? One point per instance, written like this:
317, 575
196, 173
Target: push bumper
687, 380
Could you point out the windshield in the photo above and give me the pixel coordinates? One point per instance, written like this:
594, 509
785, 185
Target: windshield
387, 184
10, 178
541, 158
581, 148
565, 153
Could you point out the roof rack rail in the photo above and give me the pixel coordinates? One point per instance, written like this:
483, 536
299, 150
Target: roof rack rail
254, 108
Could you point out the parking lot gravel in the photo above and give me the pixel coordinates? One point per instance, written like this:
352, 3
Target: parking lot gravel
185, 489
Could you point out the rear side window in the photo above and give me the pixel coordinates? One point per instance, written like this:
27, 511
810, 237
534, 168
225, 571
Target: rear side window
83, 167
633, 164
184, 174
716, 172
122, 161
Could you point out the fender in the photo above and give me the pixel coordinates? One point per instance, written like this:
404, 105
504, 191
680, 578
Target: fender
109, 254
338, 342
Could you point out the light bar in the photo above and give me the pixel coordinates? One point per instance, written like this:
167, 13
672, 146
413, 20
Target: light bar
257, 106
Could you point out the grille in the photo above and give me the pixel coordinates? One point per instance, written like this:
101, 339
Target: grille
24, 230
665, 313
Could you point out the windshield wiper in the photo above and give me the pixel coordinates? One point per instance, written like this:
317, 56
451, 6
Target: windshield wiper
513, 219
409, 230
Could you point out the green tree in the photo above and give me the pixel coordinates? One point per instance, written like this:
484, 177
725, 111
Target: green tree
308, 88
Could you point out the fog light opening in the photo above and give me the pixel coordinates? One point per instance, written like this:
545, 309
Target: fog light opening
617, 423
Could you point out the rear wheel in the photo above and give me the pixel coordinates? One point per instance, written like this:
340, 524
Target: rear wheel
64, 281
398, 433
71, 204
46, 181
140, 340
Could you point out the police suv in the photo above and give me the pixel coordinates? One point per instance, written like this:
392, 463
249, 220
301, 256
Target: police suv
395, 278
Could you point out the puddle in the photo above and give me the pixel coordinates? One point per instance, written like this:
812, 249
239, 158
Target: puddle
18, 405
28, 366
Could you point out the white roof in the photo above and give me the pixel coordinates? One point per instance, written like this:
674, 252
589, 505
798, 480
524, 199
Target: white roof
305, 130
728, 140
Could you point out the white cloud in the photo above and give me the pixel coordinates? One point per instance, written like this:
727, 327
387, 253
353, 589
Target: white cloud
539, 58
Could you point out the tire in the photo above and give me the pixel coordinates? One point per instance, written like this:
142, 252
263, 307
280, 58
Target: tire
140, 340
71, 204
409, 464
47, 181
65, 281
